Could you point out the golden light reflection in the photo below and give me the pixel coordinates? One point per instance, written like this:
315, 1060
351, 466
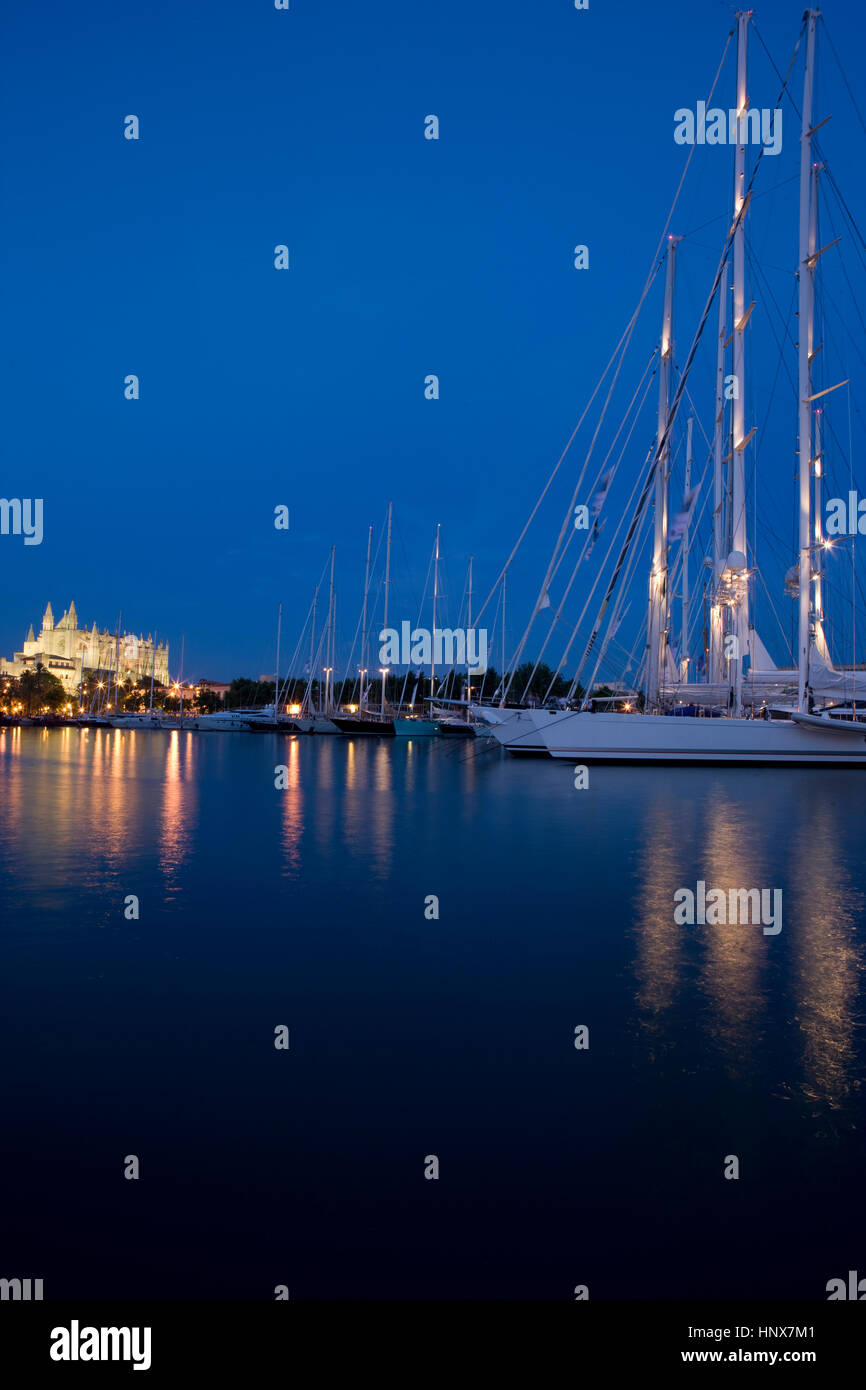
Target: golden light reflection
823, 917
678, 848
795, 839
368, 821
660, 942
292, 804
177, 820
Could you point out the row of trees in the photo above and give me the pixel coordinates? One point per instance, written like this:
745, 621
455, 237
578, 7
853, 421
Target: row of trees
33, 692
410, 687
37, 691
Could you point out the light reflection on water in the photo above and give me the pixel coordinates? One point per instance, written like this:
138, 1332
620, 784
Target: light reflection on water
795, 996
306, 905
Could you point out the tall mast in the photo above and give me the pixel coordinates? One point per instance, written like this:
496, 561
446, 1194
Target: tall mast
387, 586
364, 622
720, 547
435, 596
182, 644
818, 565
658, 575
684, 648
277, 672
116, 665
738, 405
806, 306
333, 682
310, 701
468, 630
502, 687
329, 644
153, 670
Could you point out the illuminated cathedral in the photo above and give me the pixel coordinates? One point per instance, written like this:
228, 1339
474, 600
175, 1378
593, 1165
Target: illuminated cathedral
69, 652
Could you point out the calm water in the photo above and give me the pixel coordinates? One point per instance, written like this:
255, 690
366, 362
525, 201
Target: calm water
411, 1037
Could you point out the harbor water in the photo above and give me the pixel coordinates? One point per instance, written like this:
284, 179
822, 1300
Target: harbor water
475, 961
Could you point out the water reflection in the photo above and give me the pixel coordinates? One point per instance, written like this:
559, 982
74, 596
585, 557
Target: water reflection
292, 811
827, 963
178, 815
753, 997
734, 957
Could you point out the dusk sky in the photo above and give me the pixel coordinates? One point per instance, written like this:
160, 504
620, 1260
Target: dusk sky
408, 257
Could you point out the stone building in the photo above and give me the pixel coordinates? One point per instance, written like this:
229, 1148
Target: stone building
69, 651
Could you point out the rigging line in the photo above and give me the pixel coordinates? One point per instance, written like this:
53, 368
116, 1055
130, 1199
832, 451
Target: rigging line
596, 484
642, 516
569, 512
784, 80
758, 271
672, 414
602, 567
655, 266
418, 624
603, 465
842, 71
626, 334
844, 268
838, 192
775, 613
835, 307
623, 514
615, 617
723, 216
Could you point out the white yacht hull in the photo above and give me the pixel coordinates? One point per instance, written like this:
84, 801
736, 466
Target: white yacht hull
648, 738
518, 730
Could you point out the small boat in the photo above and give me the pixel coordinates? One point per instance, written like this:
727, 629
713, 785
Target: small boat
414, 726
237, 721
145, 720
367, 724
452, 727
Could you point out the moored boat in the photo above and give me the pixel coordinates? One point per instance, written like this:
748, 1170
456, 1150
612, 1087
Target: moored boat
415, 726
365, 724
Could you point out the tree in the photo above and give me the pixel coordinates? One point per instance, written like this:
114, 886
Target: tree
539, 684
244, 693
38, 690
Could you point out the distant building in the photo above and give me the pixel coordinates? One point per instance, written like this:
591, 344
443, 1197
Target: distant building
215, 687
69, 651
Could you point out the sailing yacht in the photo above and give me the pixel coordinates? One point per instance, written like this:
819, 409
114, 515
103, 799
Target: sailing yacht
238, 721
768, 715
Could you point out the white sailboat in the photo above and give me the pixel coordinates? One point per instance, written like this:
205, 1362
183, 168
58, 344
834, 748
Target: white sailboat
415, 725
768, 714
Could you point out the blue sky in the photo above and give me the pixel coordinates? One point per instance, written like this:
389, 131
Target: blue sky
408, 257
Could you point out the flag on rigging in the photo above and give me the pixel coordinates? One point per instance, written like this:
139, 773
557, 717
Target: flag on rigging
683, 517
598, 497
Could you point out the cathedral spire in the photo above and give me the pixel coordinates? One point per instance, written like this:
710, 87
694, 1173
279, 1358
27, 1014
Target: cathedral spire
47, 619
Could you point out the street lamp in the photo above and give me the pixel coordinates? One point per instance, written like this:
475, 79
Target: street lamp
384, 670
